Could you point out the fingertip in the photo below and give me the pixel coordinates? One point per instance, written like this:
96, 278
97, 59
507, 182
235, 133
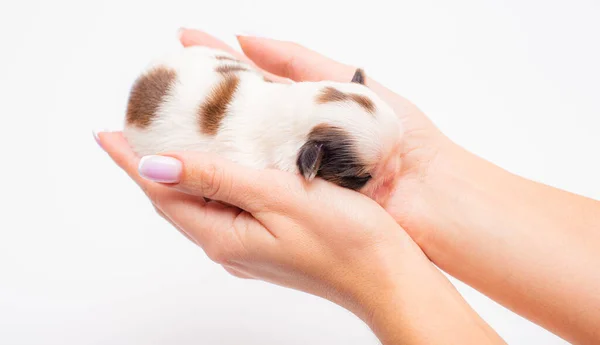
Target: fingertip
160, 169
268, 54
250, 39
291, 60
111, 139
119, 150
180, 32
245, 43
249, 34
187, 37
210, 176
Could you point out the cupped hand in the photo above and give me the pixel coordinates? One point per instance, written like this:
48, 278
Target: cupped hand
409, 203
274, 226
316, 237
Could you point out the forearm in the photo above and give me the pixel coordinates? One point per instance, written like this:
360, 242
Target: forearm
533, 248
421, 306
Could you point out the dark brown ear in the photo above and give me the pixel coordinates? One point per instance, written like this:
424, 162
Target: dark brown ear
359, 77
309, 159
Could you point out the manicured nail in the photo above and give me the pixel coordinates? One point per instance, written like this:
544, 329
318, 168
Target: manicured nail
160, 169
95, 133
180, 32
249, 33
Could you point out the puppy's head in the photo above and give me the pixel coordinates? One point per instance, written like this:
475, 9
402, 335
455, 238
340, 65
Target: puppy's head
356, 142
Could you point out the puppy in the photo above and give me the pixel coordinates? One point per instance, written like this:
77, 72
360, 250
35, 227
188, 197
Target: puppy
202, 99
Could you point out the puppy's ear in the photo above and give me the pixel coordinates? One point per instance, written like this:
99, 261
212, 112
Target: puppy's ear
309, 159
359, 77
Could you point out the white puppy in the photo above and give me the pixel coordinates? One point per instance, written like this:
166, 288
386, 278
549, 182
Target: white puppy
203, 99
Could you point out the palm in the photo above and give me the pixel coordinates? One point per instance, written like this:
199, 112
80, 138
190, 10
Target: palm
421, 144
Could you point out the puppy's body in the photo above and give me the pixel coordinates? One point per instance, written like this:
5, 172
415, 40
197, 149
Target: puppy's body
205, 100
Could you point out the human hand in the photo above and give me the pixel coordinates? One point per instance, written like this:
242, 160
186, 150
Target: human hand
316, 237
493, 230
410, 200
273, 226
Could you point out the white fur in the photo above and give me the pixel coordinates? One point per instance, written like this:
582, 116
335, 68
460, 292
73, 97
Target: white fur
266, 123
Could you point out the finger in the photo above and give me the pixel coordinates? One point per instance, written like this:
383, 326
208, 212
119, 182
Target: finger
189, 37
223, 232
210, 176
226, 234
237, 273
117, 147
181, 231
291, 60
171, 203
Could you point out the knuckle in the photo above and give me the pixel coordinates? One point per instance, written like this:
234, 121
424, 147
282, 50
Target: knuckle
158, 211
210, 182
290, 66
159, 199
285, 190
217, 254
234, 272
163, 215
155, 196
146, 190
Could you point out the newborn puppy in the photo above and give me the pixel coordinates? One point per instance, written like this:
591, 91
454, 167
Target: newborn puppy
201, 99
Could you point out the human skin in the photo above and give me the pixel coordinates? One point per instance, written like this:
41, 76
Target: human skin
315, 237
478, 222
532, 248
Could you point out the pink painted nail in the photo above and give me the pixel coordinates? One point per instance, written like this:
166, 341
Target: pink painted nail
97, 138
180, 32
250, 33
160, 169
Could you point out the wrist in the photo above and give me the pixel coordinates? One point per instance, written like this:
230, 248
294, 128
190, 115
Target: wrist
378, 279
499, 233
417, 304
457, 190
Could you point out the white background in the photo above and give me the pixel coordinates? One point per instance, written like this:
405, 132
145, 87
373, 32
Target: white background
83, 257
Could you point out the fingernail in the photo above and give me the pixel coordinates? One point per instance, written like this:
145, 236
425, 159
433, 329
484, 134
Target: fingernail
180, 32
160, 169
95, 133
249, 33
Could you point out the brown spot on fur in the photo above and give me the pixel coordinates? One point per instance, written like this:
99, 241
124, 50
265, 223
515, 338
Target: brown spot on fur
267, 80
230, 68
331, 94
214, 108
227, 58
331, 151
147, 94
364, 102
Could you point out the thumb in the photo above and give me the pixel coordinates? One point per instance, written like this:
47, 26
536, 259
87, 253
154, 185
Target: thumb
207, 175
